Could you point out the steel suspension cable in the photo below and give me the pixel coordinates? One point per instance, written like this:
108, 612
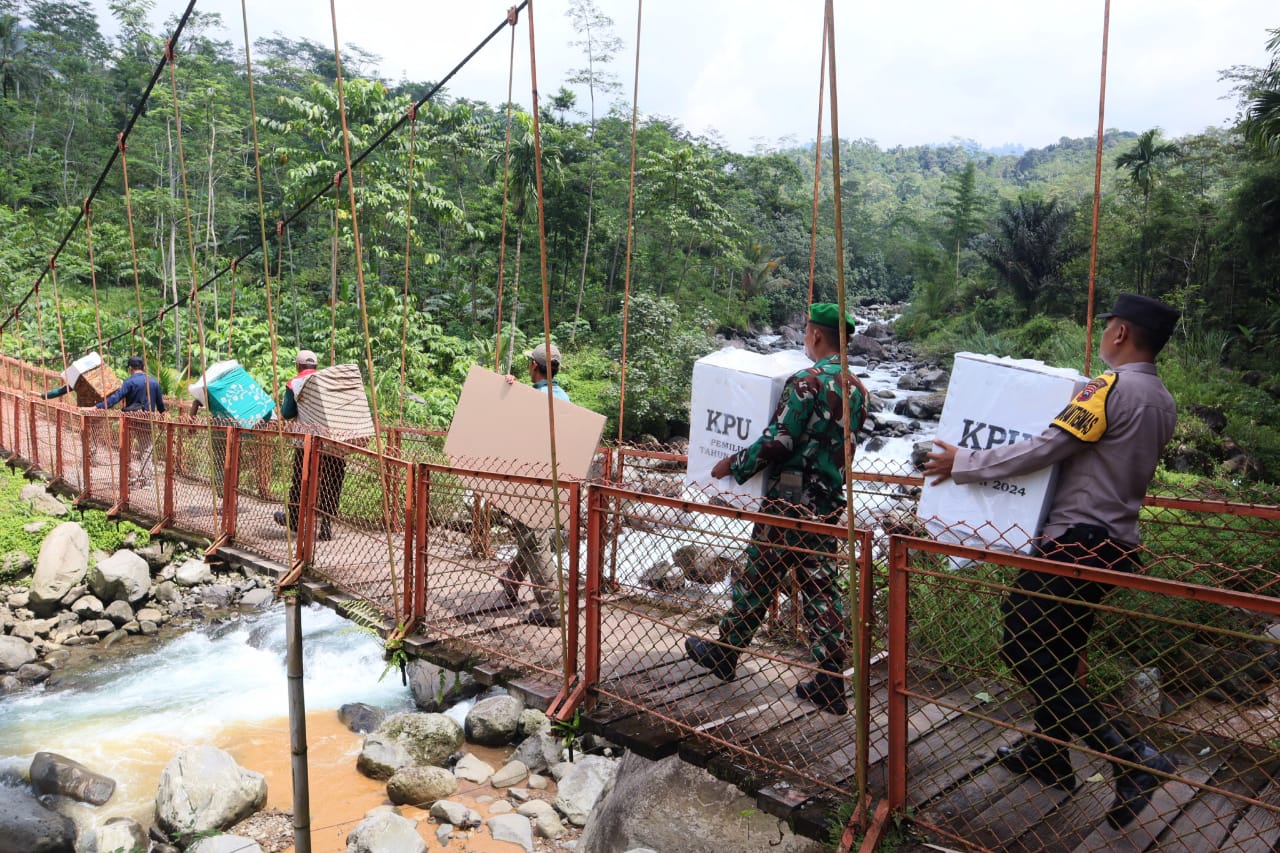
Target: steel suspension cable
817, 166
512, 16
364, 305
1097, 192
862, 725
408, 251
631, 211
546, 336
93, 276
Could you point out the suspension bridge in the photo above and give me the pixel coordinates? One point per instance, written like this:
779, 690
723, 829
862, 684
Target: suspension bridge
410, 535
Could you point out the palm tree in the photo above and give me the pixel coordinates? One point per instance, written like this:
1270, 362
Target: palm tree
1143, 162
1030, 245
1262, 114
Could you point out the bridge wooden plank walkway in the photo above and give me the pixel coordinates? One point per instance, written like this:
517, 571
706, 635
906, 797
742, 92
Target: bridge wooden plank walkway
752, 730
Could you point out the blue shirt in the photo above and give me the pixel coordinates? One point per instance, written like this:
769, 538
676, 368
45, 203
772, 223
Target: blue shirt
556, 390
140, 393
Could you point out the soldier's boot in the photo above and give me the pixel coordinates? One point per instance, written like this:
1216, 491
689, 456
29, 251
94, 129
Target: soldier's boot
1047, 763
826, 691
722, 662
1134, 785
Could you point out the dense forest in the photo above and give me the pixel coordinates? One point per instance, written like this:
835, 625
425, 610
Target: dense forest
990, 250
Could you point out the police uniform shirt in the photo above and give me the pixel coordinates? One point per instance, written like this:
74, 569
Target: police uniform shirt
1108, 439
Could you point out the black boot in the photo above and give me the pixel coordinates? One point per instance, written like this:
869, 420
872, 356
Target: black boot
826, 691
722, 662
1134, 786
1047, 763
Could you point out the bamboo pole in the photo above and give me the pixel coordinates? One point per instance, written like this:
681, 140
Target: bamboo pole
297, 726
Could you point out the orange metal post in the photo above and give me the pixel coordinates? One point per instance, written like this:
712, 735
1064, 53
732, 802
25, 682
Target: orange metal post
34, 456
231, 480
422, 521
571, 652
306, 509
898, 612
57, 471
595, 551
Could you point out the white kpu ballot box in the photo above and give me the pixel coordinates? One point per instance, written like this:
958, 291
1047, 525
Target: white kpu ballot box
735, 393
992, 402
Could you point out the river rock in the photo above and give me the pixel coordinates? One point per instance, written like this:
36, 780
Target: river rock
16, 563
421, 786
56, 774
472, 769
435, 688
14, 652
202, 788
87, 607
511, 773
456, 814
41, 501
513, 829
193, 572
864, 345
493, 721
582, 785
928, 408
217, 595
61, 564
671, 805
166, 592
158, 554
384, 831
27, 826
33, 673
124, 576
361, 718
119, 612
121, 833
548, 826
225, 844
404, 739
257, 599
701, 564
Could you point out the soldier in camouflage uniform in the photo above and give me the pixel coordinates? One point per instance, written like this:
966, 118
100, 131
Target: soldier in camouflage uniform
803, 448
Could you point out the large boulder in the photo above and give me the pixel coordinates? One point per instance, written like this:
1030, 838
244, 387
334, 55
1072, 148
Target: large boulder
15, 652
124, 576
671, 805
493, 721
422, 739
56, 774
421, 786
435, 688
193, 572
513, 829
26, 826
579, 789
41, 501
202, 788
361, 718
60, 566
384, 831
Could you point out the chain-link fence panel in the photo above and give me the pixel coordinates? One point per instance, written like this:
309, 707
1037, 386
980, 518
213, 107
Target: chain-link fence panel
266, 468
498, 565
198, 466
357, 503
1063, 706
698, 647
102, 476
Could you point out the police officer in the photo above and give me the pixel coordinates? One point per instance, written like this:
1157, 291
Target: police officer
1107, 442
140, 393
804, 449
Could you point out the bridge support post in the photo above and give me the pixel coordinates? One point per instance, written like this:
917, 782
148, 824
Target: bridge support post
297, 725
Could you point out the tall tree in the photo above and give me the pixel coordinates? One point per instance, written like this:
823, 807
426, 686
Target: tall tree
599, 45
961, 208
1262, 112
1029, 247
1143, 162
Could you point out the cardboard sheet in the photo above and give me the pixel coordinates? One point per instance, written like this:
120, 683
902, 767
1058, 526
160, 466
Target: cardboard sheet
503, 428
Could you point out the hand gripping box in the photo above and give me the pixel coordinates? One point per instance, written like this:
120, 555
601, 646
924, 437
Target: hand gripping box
231, 394
735, 393
334, 398
92, 380
991, 402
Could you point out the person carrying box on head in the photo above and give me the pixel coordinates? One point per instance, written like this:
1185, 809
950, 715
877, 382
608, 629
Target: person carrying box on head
140, 393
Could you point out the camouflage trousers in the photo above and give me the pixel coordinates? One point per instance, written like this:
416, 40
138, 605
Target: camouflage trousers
773, 552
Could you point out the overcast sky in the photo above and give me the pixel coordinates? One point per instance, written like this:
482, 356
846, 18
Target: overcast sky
910, 71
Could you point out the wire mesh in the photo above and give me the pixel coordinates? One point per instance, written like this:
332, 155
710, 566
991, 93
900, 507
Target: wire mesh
682, 569
1097, 685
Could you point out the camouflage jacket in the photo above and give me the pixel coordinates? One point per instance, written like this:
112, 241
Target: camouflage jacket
806, 436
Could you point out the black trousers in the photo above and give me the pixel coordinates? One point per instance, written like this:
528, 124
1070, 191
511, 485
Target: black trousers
333, 471
1044, 637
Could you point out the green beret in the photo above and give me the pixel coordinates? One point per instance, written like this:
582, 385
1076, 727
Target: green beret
828, 314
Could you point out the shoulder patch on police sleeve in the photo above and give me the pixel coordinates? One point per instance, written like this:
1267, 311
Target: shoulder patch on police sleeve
1085, 417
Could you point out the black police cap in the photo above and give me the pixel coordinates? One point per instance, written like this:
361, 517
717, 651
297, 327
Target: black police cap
1149, 313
